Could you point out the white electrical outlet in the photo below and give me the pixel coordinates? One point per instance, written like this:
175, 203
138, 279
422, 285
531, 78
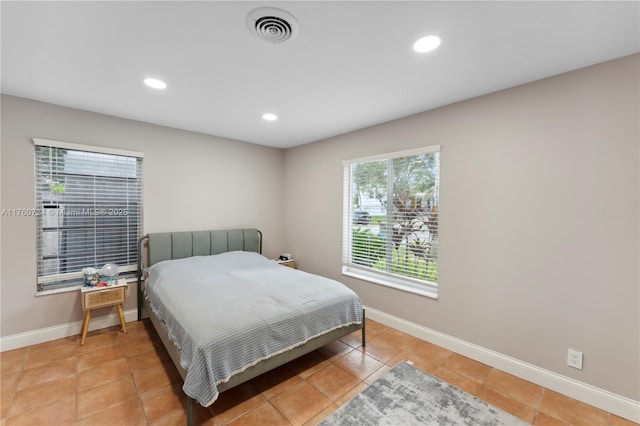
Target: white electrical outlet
574, 359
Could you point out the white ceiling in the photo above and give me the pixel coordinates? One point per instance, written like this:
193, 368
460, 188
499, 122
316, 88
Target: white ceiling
350, 66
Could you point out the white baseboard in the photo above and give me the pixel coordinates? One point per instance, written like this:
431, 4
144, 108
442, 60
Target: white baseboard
597, 397
60, 331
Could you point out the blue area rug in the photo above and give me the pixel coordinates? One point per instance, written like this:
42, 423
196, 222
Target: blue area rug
408, 396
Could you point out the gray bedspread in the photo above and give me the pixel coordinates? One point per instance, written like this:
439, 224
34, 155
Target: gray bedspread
229, 311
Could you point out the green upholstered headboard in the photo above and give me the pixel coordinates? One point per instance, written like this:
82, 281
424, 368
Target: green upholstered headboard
178, 245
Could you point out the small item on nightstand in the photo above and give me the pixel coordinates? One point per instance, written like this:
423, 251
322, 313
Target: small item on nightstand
291, 263
285, 256
91, 276
110, 272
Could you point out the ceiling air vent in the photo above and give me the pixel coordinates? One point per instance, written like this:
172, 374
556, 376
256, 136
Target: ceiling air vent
272, 25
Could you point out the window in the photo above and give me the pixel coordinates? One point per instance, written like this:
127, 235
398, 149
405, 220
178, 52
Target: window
390, 219
89, 208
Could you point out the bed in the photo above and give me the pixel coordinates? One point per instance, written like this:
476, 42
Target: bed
227, 314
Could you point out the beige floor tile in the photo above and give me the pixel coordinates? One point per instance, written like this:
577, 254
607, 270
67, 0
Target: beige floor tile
321, 415
102, 374
47, 356
99, 341
466, 367
419, 359
60, 413
571, 411
128, 379
53, 344
457, 380
429, 352
358, 364
507, 404
44, 393
354, 339
147, 359
162, 401
332, 381
144, 361
140, 343
263, 414
619, 421
377, 374
380, 350
102, 330
93, 359
374, 328
53, 371
349, 395
102, 397
514, 387
397, 339
129, 413
12, 361
8, 386
237, 401
300, 403
202, 417
145, 324
543, 419
334, 350
308, 364
174, 418
276, 381
152, 378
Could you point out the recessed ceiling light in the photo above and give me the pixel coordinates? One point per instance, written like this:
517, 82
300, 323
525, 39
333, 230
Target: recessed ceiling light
269, 117
155, 83
426, 44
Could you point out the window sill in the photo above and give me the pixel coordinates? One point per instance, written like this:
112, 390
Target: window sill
391, 281
73, 288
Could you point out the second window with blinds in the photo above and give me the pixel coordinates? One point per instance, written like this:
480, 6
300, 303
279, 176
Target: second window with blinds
390, 220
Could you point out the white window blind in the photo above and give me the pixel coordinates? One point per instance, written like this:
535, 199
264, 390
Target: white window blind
89, 208
390, 219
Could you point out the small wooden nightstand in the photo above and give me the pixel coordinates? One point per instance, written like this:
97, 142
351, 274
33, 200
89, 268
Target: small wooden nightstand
100, 297
291, 263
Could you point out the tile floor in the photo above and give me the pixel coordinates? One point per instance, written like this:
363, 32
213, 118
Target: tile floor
128, 379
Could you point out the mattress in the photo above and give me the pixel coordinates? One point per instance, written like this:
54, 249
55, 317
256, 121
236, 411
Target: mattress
230, 311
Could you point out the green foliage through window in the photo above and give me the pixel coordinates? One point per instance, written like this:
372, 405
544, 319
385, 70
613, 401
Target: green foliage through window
399, 198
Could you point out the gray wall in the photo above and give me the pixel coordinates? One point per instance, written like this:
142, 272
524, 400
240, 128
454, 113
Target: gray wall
539, 220
191, 182
539, 213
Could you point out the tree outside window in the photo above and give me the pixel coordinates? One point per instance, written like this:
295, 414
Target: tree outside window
394, 215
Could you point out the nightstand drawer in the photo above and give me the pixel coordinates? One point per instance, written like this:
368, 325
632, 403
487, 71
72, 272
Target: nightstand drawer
99, 298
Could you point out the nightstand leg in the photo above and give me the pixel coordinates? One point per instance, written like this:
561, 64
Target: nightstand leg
121, 315
85, 326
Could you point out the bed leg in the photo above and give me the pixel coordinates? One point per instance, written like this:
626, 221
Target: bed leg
189, 411
364, 343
